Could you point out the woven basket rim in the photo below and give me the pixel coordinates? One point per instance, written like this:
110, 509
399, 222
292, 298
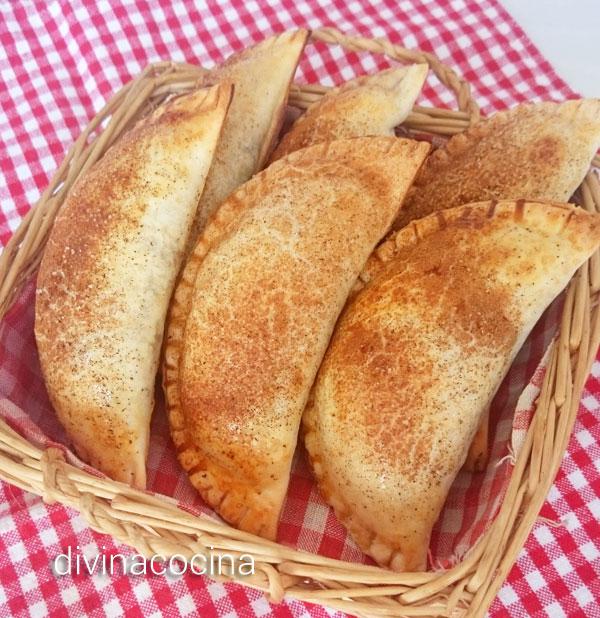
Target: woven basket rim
155, 525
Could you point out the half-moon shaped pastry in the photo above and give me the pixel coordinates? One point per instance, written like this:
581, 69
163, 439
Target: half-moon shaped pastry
107, 275
418, 354
537, 151
261, 76
368, 105
252, 315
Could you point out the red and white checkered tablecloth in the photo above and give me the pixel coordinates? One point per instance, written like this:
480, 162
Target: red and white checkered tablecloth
59, 61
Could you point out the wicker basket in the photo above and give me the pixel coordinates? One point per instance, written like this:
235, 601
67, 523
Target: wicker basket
157, 526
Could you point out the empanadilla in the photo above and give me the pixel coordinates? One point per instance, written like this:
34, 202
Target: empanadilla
261, 76
256, 305
107, 275
368, 105
536, 151
418, 354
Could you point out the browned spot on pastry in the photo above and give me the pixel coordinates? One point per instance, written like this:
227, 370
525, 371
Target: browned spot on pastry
519, 210
441, 219
547, 150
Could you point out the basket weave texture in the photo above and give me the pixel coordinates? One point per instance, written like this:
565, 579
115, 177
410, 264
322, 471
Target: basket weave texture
155, 525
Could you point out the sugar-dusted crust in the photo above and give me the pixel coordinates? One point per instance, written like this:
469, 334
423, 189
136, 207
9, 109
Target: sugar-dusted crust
261, 75
537, 151
107, 275
368, 105
418, 354
255, 307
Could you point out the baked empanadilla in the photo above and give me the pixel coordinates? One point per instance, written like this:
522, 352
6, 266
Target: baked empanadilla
535, 151
108, 273
368, 105
261, 76
252, 315
418, 354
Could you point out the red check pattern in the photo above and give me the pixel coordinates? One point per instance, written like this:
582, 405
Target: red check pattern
59, 61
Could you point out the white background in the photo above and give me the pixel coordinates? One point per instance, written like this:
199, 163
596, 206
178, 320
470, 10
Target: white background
567, 32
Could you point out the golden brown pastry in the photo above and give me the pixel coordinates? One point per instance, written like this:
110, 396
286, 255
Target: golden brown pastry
256, 305
534, 151
261, 76
368, 105
418, 354
107, 275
